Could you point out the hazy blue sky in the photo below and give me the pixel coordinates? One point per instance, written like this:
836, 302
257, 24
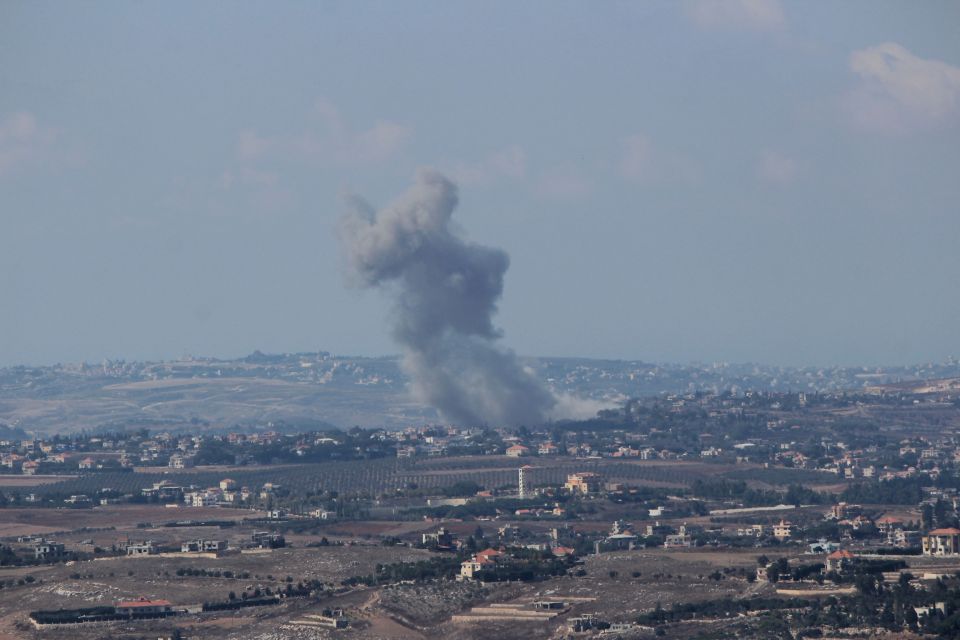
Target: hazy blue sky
742, 181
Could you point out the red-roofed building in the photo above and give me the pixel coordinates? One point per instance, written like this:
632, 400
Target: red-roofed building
489, 554
839, 560
886, 523
517, 451
486, 559
942, 542
548, 449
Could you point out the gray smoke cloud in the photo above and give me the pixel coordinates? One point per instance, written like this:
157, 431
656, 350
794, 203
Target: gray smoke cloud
446, 293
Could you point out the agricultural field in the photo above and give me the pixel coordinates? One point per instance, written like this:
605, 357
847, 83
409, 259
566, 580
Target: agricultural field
21, 481
117, 518
374, 477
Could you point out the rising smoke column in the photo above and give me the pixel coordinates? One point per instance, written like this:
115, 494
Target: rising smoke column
446, 295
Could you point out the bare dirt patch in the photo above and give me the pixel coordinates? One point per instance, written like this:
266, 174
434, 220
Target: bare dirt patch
15, 481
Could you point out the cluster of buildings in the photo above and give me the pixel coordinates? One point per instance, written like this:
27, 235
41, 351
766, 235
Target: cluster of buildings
32, 457
51, 551
490, 560
125, 450
227, 492
773, 442
437, 441
80, 453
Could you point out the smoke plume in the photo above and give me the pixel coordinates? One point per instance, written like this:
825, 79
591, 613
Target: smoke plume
446, 292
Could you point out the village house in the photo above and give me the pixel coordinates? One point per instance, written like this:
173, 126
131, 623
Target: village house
203, 546
677, 540
147, 548
765, 573
12, 460
548, 449
822, 546
584, 483
267, 540
903, 539
842, 511
179, 461
482, 561
202, 499
518, 451
47, 550
621, 537
442, 538
751, 531
783, 530
657, 529
144, 607
839, 560
942, 542
888, 523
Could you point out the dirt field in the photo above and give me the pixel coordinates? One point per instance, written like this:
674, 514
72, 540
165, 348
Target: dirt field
616, 587
26, 521
18, 481
102, 582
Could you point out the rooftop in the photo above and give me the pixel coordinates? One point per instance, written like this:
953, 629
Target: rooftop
143, 602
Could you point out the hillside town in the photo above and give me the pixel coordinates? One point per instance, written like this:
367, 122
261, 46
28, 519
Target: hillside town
797, 497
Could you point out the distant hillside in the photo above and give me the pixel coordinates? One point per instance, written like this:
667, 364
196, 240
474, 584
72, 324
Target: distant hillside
304, 390
943, 385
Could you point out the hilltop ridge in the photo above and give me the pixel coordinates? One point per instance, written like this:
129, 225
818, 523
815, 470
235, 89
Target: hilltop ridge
321, 390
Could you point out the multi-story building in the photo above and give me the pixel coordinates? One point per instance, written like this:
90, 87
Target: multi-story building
941, 542
782, 530
839, 560
147, 548
482, 561
584, 483
47, 550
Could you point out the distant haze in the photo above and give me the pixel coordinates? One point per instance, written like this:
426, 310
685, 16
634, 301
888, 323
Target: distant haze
705, 181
